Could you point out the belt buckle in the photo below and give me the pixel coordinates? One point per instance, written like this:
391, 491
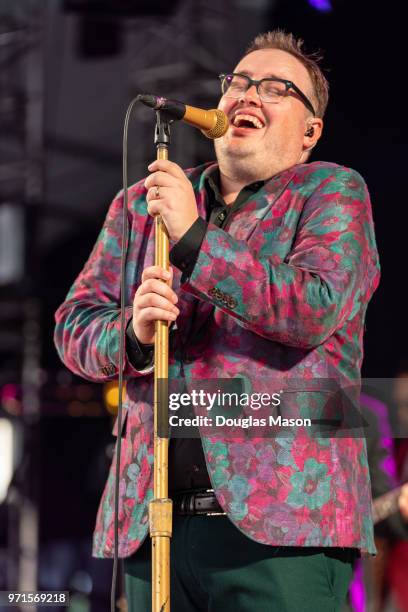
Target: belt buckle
214, 513
188, 504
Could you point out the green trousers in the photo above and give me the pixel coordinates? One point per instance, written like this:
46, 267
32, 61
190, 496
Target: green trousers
216, 568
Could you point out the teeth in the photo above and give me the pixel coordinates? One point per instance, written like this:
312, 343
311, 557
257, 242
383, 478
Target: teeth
254, 120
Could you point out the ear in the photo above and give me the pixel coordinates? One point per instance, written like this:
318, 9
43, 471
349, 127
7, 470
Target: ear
313, 131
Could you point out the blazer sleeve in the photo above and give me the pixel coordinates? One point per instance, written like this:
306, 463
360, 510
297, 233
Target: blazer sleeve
329, 274
88, 322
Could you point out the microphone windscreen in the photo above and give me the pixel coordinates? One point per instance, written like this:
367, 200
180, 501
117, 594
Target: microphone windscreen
220, 127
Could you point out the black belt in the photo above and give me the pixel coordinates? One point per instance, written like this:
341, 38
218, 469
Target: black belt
199, 501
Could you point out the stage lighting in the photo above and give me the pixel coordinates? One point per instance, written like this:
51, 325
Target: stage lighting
324, 6
6, 456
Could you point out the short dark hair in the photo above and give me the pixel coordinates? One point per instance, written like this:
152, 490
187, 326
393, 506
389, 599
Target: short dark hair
284, 41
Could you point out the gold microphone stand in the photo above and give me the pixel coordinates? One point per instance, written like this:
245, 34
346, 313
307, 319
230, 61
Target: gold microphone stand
160, 508
214, 124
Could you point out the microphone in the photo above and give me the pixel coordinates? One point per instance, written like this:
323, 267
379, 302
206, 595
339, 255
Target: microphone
213, 123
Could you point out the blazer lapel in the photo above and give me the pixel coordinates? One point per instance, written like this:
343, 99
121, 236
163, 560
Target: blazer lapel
242, 226
245, 220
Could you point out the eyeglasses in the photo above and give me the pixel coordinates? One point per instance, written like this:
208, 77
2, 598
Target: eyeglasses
269, 90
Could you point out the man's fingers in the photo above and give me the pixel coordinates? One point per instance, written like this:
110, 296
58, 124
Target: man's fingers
157, 314
162, 179
403, 501
152, 285
167, 166
155, 193
157, 272
154, 300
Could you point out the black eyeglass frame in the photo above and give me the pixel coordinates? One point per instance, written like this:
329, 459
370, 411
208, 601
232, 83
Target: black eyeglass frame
288, 84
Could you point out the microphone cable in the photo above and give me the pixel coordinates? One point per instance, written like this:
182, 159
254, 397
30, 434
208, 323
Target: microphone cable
212, 131
122, 340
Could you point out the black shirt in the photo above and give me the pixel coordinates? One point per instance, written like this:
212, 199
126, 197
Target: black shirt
187, 467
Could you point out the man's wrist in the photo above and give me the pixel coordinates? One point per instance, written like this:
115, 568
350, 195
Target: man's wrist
184, 253
140, 355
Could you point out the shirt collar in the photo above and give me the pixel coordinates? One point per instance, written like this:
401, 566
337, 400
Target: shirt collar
213, 182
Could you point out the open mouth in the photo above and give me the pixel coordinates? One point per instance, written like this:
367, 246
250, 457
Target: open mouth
247, 121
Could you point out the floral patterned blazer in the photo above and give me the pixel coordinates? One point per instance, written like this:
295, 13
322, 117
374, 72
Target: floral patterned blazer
280, 296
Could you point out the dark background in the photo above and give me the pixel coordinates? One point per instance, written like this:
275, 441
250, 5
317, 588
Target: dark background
68, 71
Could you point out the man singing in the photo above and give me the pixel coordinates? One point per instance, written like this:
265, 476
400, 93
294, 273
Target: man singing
273, 264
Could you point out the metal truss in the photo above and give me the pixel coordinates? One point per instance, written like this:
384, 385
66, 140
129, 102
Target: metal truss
21, 101
21, 195
21, 168
180, 57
